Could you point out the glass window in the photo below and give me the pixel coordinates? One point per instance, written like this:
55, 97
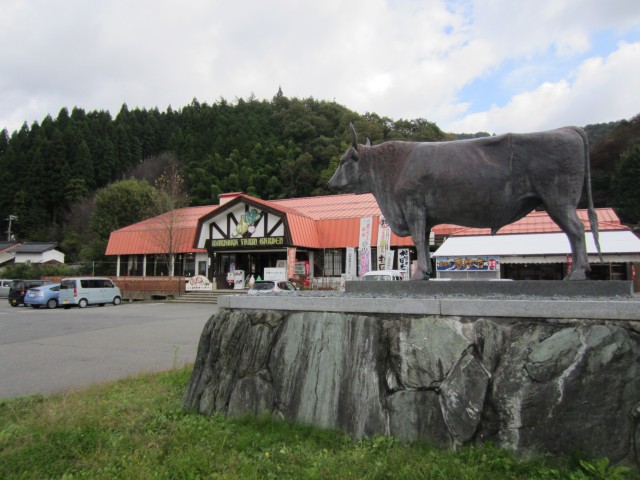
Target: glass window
202, 268
178, 267
157, 265
189, 264
333, 263
131, 265
226, 262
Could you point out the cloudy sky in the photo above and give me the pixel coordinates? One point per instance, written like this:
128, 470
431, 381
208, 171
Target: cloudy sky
468, 65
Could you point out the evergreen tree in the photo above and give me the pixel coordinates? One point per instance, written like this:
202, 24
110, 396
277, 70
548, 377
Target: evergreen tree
284, 147
57, 174
624, 185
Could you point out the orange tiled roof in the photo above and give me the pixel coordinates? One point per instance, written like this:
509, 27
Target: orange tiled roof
540, 222
330, 221
338, 218
347, 205
151, 236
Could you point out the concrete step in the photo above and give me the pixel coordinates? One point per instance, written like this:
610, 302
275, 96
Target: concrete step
205, 297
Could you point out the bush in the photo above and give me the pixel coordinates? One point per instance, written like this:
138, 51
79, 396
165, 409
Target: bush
35, 271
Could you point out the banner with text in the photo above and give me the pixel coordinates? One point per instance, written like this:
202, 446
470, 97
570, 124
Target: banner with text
291, 262
390, 257
404, 263
384, 241
479, 263
364, 245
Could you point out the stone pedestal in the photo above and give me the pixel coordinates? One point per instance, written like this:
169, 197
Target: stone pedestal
540, 375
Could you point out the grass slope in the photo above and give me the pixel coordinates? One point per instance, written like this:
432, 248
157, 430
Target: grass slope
136, 428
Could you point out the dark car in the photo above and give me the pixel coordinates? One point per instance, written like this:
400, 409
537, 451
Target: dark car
19, 288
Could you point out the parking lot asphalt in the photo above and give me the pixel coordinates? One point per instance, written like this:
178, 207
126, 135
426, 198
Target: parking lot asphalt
48, 351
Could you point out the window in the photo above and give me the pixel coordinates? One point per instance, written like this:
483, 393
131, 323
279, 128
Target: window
202, 268
131, 265
95, 283
178, 265
333, 263
189, 264
226, 263
157, 265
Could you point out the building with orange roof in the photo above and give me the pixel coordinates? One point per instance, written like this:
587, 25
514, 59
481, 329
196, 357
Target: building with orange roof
161, 245
326, 237
535, 248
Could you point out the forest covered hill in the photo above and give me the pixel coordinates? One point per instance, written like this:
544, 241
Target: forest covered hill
51, 171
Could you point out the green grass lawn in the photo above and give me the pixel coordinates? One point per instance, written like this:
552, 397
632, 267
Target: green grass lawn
136, 429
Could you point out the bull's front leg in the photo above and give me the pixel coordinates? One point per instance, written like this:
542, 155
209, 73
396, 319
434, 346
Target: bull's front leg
420, 232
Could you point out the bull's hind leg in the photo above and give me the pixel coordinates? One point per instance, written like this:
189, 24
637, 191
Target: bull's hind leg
567, 219
420, 236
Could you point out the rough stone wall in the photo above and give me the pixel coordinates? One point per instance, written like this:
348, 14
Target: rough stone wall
544, 385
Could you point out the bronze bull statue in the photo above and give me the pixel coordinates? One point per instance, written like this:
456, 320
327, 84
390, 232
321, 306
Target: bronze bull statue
484, 183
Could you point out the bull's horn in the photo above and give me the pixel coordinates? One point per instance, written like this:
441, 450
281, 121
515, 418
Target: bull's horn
354, 135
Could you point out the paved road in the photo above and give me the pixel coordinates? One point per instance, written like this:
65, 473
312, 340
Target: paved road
48, 351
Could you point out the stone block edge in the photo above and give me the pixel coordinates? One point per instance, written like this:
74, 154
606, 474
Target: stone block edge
475, 307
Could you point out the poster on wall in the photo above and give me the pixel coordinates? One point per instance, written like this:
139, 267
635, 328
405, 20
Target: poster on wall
275, 274
384, 241
291, 262
351, 268
302, 272
404, 263
364, 245
238, 279
480, 263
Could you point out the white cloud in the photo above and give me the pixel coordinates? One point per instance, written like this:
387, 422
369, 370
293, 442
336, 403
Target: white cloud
602, 90
398, 58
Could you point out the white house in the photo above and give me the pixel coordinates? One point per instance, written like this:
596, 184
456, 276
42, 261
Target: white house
32, 252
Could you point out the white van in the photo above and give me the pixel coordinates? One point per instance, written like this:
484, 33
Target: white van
382, 275
5, 285
83, 291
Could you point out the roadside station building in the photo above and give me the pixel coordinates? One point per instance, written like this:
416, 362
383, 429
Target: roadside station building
310, 237
318, 239
534, 248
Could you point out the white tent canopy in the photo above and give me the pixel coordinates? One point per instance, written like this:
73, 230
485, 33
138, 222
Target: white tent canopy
616, 246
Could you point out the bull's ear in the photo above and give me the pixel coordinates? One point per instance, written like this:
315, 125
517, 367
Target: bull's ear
354, 136
368, 143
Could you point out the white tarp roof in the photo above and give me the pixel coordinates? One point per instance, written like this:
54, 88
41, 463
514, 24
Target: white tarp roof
617, 246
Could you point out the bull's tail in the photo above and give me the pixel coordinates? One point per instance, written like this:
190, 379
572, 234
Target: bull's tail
593, 217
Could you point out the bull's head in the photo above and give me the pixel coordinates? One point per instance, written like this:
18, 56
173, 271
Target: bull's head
350, 176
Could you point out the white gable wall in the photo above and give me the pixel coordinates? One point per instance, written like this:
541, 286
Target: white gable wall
48, 256
266, 222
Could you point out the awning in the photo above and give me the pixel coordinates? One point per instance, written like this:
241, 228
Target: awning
616, 246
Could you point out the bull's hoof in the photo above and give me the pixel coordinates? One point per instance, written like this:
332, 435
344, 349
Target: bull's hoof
577, 275
420, 276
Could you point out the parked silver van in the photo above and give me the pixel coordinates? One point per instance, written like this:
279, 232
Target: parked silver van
83, 291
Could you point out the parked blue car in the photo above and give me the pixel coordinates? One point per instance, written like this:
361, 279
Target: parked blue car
44, 296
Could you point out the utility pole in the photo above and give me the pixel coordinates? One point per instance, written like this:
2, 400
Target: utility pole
11, 218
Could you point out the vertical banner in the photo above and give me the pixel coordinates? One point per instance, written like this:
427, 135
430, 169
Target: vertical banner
384, 241
351, 264
291, 262
391, 254
364, 245
404, 265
